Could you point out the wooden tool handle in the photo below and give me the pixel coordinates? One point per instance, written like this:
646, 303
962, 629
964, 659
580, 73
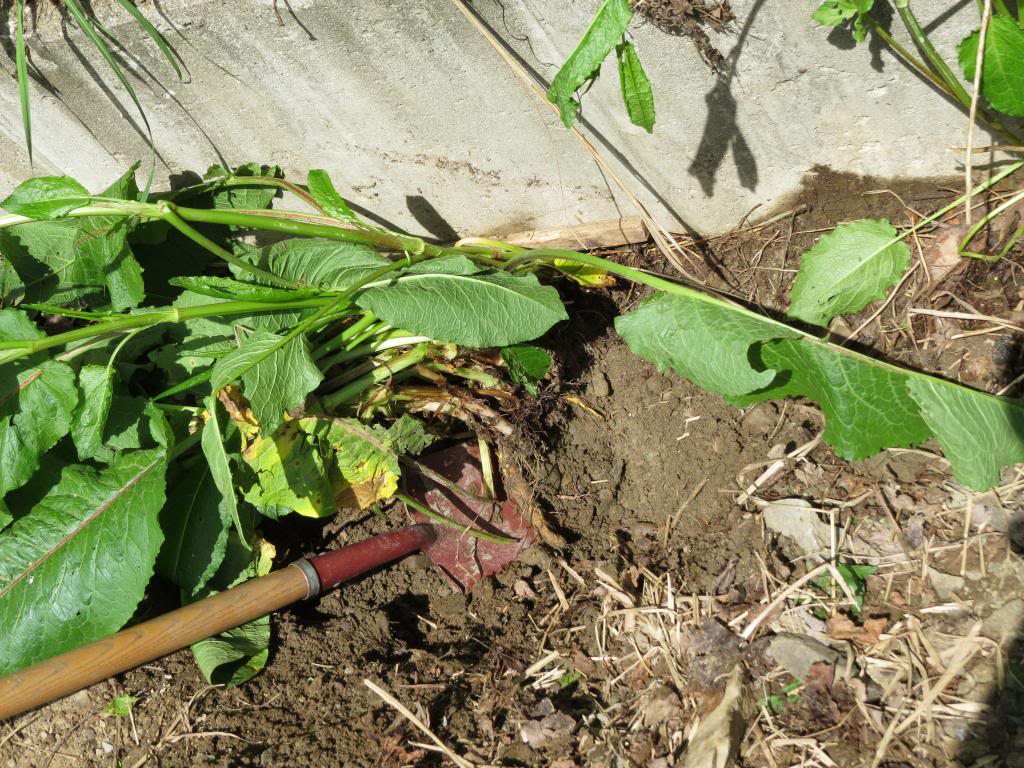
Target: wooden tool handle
82, 667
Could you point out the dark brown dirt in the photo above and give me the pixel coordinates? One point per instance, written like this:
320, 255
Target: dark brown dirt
634, 469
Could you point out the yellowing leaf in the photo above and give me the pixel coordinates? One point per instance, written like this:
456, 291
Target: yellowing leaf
584, 274
290, 473
365, 469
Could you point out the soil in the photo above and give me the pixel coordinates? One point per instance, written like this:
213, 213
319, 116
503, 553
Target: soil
639, 474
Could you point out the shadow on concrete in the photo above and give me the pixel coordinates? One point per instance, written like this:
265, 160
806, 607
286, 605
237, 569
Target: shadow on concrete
599, 138
291, 12
427, 216
842, 37
721, 129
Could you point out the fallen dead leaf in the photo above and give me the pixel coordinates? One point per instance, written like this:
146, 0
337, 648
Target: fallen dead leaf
943, 258
716, 739
843, 628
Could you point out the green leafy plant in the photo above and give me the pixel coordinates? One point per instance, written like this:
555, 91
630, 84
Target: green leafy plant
101, 38
1001, 82
166, 385
606, 33
855, 578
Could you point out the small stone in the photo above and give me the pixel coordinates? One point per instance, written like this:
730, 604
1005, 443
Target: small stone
536, 555
944, 584
798, 653
600, 387
796, 519
543, 709
662, 705
1005, 622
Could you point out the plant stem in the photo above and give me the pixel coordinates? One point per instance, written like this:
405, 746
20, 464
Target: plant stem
661, 284
973, 232
281, 223
346, 335
385, 371
170, 215
954, 86
391, 341
919, 66
437, 517
18, 348
934, 57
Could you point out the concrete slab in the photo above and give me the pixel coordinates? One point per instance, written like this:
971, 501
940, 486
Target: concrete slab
417, 118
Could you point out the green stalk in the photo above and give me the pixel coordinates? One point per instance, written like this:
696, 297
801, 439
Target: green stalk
346, 335
911, 60
482, 378
170, 215
984, 222
390, 341
22, 348
437, 517
934, 57
354, 389
954, 87
292, 226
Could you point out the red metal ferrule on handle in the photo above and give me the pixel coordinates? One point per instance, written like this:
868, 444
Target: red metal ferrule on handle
334, 568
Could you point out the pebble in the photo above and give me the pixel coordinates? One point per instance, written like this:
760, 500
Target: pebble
600, 387
1005, 622
798, 653
944, 584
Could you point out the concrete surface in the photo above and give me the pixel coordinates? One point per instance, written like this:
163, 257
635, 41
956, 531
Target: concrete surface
417, 118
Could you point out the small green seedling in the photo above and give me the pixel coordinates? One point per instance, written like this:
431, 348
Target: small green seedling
121, 706
777, 702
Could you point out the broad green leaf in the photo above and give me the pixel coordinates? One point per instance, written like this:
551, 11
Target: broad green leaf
445, 265
832, 13
102, 245
43, 257
526, 365
96, 382
74, 568
195, 521
584, 63
407, 435
276, 374
979, 433
37, 401
866, 403
247, 198
635, 86
236, 290
233, 657
322, 189
707, 342
1002, 75
489, 309
324, 264
847, 269
46, 197
220, 465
